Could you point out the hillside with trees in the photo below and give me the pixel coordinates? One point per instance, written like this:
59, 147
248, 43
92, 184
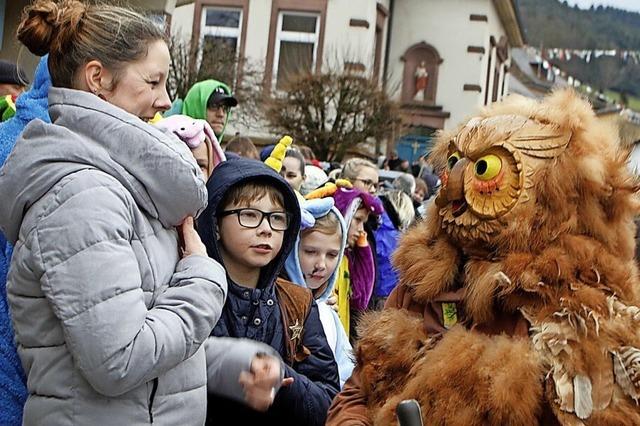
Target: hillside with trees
555, 24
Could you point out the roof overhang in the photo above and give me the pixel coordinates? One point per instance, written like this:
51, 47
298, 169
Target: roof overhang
509, 17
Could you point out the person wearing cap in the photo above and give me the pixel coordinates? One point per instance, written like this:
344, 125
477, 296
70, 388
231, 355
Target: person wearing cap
210, 100
12, 83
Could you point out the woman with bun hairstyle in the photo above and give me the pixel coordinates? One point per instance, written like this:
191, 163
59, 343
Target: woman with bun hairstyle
111, 291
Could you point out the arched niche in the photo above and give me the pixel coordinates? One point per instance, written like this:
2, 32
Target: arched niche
420, 75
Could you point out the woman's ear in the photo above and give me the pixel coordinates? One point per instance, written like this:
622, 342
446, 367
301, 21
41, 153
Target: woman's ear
95, 78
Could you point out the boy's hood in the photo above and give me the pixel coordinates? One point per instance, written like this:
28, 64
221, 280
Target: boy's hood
318, 208
236, 171
195, 102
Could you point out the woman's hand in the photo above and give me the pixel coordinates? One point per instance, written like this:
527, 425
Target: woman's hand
190, 242
260, 384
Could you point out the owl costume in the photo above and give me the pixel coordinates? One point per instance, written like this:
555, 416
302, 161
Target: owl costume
533, 228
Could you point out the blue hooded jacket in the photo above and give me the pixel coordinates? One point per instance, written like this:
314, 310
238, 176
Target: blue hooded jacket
13, 391
255, 313
336, 335
387, 237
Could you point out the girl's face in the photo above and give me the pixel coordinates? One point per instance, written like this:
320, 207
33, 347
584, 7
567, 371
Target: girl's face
356, 227
291, 171
367, 180
201, 154
142, 85
319, 255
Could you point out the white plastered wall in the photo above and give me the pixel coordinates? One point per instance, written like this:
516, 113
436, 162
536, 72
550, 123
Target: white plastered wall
445, 25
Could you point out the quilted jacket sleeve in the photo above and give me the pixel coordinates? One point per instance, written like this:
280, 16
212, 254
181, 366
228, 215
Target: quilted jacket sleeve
92, 280
227, 357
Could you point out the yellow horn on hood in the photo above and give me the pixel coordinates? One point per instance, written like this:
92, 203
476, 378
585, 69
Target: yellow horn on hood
277, 155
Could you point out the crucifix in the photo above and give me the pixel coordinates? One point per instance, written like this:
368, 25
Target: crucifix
416, 146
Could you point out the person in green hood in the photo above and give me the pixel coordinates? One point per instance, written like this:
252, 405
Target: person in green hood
210, 100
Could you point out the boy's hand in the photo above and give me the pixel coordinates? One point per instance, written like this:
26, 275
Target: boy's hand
260, 384
190, 242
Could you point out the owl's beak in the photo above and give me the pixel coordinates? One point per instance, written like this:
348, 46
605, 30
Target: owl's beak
453, 190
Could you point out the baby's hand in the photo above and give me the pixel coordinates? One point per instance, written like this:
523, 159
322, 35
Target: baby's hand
332, 301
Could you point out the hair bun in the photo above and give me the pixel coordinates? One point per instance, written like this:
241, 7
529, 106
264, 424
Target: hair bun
47, 23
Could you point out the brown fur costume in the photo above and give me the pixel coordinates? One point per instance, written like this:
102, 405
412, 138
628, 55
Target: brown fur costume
535, 221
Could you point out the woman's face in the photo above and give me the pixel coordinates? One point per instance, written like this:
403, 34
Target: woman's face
142, 85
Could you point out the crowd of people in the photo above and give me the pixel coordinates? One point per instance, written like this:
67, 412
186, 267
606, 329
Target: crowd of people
154, 269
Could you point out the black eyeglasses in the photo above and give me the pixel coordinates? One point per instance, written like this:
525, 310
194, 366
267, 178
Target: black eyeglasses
252, 218
369, 183
226, 108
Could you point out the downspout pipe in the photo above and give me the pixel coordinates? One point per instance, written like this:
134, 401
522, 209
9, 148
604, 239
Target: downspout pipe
387, 47
385, 71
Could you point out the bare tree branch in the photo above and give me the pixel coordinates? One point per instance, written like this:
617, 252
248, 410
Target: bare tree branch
332, 112
192, 62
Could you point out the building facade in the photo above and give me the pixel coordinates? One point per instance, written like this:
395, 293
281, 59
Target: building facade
11, 11
440, 59
288, 35
447, 58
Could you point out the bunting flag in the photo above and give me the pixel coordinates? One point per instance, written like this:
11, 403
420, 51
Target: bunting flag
588, 55
551, 72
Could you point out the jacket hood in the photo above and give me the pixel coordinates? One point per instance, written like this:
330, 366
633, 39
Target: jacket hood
317, 208
238, 171
86, 132
349, 200
195, 102
361, 261
30, 105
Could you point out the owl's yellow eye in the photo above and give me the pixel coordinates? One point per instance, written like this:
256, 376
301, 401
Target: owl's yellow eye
453, 159
488, 167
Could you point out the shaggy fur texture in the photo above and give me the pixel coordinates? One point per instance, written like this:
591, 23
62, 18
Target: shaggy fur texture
468, 379
382, 334
562, 257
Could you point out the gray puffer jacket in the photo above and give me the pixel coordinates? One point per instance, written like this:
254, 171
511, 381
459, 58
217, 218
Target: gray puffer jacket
109, 321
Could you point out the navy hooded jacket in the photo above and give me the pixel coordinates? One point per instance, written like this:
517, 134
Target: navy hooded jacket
255, 314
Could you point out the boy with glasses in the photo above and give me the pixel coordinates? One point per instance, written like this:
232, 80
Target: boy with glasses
250, 227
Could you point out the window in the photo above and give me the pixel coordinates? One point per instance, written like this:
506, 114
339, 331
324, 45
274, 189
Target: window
381, 17
220, 28
489, 67
496, 69
496, 82
296, 45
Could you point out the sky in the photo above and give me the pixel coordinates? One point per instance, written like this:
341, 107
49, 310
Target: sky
633, 5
